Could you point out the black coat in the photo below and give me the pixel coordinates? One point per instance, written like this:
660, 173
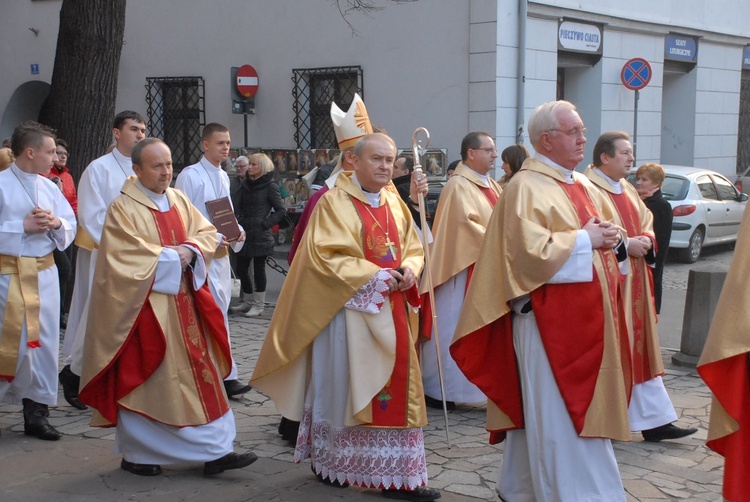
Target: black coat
662, 211
253, 202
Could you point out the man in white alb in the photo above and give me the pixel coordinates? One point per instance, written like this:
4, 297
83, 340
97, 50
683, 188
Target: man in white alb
204, 182
100, 184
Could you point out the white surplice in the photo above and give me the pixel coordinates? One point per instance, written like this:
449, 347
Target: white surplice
203, 182
145, 441
20, 192
100, 184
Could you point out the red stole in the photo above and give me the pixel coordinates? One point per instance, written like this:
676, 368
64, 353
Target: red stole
210, 390
642, 299
145, 345
490, 194
729, 381
575, 347
389, 407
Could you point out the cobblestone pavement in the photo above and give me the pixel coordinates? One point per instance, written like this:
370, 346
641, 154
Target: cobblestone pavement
676, 470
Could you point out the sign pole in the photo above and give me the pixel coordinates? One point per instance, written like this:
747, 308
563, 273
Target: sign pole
635, 126
245, 115
635, 75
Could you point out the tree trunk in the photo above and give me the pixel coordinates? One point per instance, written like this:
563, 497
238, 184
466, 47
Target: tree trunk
81, 103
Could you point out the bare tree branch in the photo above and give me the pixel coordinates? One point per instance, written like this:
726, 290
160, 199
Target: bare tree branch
366, 7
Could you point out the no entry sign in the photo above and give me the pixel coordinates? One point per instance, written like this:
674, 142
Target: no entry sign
247, 81
636, 74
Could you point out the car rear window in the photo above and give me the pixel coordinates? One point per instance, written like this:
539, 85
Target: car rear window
675, 188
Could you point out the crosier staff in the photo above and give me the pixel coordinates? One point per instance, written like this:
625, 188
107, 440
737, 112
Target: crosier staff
415, 143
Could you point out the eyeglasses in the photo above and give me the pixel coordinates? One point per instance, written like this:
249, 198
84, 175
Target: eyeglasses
574, 133
489, 149
241, 165
62, 154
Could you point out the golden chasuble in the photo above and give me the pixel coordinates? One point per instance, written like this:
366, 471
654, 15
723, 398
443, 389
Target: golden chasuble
461, 220
640, 309
139, 342
531, 234
329, 268
724, 366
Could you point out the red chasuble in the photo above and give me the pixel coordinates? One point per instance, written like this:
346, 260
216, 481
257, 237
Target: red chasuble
642, 301
145, 346
382, 247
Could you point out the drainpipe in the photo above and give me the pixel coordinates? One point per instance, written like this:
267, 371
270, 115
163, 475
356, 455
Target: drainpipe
521, 83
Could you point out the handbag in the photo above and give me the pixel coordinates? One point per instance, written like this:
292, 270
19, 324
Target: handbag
236, 286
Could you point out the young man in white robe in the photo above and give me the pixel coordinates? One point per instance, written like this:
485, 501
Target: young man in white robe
100, 184
35, 218
203, 182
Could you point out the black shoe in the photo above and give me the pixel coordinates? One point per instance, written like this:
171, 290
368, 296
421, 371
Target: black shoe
669, 431
438, 403
35, 421
70, 383
329, 482
41, 431
140, 469
289, 429
235, 388
421, 494
229, 461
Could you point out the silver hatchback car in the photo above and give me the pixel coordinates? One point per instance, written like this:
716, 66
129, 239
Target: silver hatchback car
707, 209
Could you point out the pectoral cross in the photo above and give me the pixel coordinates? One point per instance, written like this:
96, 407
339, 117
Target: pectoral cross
391, 246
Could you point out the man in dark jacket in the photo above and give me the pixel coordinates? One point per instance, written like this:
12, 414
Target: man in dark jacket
402, 169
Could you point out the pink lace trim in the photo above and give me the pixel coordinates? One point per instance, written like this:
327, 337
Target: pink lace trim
364, 456
370, 297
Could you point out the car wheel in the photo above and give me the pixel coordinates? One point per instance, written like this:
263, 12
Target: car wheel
695, 245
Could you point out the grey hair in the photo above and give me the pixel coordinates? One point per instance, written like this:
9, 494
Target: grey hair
544, 118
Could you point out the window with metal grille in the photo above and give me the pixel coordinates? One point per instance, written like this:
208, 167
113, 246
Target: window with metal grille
176, 113
314, 90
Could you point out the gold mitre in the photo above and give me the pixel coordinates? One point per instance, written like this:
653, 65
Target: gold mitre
352, 125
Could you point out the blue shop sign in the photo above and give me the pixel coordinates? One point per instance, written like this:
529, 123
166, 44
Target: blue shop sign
680, 48
746, 58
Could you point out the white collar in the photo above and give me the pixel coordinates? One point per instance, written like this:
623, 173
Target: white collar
616, 185
568, 173
160, 199
372, 198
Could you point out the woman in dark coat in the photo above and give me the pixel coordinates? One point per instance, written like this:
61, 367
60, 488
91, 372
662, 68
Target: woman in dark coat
258, 207
649, 178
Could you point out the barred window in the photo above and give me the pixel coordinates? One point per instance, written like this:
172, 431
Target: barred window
314, 90
176, 113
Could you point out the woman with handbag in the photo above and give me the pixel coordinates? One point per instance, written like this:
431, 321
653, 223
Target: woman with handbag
258, 206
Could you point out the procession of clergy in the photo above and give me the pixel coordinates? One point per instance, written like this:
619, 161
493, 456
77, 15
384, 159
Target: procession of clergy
543, 297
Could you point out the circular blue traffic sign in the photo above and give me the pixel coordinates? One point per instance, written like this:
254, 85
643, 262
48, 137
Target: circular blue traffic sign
636, 74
